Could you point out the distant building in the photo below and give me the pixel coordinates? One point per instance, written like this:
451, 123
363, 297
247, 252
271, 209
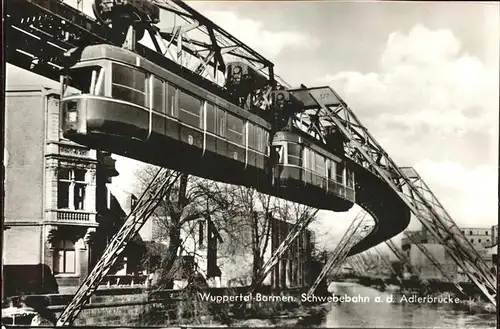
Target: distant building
481, 238
293, 269
55, 196
494, 235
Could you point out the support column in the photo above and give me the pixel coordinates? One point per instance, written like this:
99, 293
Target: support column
82, 259
48, 234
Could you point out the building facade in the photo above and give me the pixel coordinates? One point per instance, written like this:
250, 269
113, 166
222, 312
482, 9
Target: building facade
293, 269
483, 239
55, 192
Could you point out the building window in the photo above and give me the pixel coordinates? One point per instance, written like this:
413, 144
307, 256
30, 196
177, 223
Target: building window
486, 233
64, 257
71, 189
470, 232
472, 240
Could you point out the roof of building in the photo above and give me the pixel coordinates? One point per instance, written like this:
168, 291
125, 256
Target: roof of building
30, 88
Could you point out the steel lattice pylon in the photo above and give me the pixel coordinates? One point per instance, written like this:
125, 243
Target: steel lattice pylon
355, 263
435, 262
365, 150
355, 232
301, 224
385, 261
402, 257
159, 187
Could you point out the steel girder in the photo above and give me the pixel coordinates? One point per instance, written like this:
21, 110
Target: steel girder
355, 232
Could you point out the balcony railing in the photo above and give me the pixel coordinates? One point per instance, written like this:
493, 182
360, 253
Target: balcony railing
73, 217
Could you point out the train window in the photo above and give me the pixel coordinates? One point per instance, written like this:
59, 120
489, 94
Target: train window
171, 100
129, 84
158, 95
340, 172
252, 136
320, 164
189, 109
259, 139
86, 80
221, 122
210, 115
266, 141
311, 160
295, 154
331, 170
349, 178
235, 129
278, 151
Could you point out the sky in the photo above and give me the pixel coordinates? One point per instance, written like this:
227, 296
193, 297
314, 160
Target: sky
422, 77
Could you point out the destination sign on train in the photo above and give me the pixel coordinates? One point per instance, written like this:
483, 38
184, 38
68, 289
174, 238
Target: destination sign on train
322, 94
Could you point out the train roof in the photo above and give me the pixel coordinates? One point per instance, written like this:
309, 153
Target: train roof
113, 53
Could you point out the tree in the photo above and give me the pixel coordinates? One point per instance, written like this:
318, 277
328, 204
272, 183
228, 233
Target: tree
248, 225
190, 199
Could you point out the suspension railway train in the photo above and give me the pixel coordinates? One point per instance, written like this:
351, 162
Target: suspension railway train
160, 113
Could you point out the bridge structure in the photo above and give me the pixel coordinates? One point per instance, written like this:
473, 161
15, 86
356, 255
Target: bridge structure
46, 36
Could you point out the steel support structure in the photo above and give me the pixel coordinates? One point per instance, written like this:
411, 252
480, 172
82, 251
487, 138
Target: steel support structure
368, 260
435, 262
41, 32
339, 254
402, 257
354, 261
386, 261
301, 224
158, 188
362, 147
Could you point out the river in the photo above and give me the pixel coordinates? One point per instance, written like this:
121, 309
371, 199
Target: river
397, 314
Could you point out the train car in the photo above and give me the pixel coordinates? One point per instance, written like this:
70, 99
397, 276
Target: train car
305, 170
131, 106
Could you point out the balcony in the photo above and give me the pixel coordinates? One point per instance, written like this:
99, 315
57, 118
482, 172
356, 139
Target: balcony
71, 217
